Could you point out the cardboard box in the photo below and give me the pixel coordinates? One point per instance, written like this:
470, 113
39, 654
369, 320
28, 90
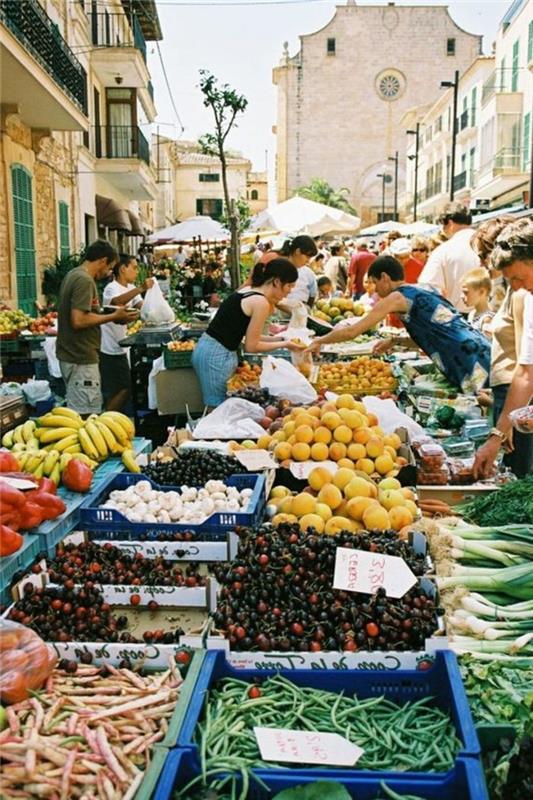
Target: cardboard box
177, 388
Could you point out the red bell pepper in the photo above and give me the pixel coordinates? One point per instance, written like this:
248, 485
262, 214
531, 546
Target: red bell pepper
31, 515
47, 485
77, 476
11, 496
8, 462
10, 516
51, 505
10, 541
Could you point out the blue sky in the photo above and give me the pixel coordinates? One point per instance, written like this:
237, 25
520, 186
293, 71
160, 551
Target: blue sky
241, 43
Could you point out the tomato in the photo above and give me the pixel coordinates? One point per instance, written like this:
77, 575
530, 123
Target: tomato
254, 692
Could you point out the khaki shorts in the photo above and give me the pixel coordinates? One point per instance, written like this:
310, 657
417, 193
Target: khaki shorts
84, 392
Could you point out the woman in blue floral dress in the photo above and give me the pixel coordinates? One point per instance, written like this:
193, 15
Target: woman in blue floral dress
434, 324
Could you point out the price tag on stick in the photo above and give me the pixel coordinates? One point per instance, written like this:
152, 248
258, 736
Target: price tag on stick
360, 571
306, 747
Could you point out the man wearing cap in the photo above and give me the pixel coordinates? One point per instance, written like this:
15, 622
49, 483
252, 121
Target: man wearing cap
448, 263
401, 250
359, 264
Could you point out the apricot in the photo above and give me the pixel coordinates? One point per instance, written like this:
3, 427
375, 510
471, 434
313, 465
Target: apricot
301, 451
356, 507
384, 464
323, 434
357, 487
400, 516
282, 451
361, 435
335, 525
374, 447
331, 420
376, 518
323, 511
342, 477
356, 451
331, 495
346, 462
318, 477
365, 465
303, 504
345, 401
304, 433
312, 521
343, 434
319, 451
337, 450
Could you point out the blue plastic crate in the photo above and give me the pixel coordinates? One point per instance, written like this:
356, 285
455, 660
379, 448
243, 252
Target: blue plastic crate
53, 531
113, 466
22, 559
442, 682
116, 526
465, 782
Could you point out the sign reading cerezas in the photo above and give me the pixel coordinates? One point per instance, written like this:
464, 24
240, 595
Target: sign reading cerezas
361, 571
306, 747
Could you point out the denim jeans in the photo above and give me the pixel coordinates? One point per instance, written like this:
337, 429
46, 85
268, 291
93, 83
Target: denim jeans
520, 461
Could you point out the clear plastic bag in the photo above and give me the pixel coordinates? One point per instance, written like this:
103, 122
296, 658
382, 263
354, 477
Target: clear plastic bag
522, 419
26, 661
155, 309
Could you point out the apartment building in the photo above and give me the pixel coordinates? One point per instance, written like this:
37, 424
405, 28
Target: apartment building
257, 191
494, 121
75, 105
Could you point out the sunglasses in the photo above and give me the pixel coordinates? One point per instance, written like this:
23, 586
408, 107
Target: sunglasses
419, 250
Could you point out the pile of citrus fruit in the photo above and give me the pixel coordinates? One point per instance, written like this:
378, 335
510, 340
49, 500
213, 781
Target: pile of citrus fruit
337, 308
364, 375
342, 431
344, 501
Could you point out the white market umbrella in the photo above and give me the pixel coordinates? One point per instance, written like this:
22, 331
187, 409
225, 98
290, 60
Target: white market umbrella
300, 215
206, 228
420, 228
383, 227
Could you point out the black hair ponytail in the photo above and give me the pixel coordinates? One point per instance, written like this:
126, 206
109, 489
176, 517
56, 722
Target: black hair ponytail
280, 268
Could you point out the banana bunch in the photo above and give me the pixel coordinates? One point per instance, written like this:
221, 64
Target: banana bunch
42, 445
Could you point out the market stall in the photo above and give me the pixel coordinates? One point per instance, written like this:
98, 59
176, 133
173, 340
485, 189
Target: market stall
305, 585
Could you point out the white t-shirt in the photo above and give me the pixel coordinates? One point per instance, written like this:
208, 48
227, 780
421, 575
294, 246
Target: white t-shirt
305, 287
526, 342
112, 332
448, 263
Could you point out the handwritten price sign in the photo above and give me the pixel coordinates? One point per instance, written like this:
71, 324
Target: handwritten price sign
360, 571
306, 747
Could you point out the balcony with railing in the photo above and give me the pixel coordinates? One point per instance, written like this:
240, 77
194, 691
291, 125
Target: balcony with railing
117, 30
490, 87
432, 189
123, 155
119, 49
504, 171
41, 39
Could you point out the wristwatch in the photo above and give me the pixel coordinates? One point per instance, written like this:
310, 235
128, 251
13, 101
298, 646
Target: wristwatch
500, 434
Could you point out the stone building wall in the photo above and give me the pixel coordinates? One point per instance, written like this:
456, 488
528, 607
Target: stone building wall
339, 114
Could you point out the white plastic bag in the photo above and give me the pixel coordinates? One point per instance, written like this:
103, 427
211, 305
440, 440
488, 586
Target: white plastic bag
233, 419
155, 308
299, 316
36, 391
283, 380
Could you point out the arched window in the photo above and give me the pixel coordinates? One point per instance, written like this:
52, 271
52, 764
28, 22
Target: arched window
254, 195
21, 187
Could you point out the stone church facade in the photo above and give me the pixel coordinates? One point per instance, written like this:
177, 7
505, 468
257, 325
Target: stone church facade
342, 96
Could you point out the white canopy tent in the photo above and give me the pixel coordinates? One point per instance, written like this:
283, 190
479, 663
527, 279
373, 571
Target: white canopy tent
420, 228
193, 228
299, 215
383, 227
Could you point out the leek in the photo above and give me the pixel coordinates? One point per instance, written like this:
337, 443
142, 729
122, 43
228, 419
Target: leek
514, 581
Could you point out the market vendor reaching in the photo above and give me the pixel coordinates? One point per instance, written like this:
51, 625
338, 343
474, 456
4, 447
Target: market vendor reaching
434, 324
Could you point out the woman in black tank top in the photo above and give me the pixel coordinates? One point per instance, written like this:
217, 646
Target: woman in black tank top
241, 316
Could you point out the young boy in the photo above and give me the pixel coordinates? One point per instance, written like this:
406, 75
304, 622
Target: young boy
475, 293
325, 288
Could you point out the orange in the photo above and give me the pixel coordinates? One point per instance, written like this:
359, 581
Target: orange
345, 401
345, 462
323, 434
362, 435
337, 450
282, 451
319, 451
356, 451
318, 477
331, 420
343, 434
301, 451
331, 495
304, 433
357, 506
303, 504
342, 477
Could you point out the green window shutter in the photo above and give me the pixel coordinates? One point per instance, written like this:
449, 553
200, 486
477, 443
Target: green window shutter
199, 207
474, 106
527, 142
514, 73
530, 43
64, 232
21, 182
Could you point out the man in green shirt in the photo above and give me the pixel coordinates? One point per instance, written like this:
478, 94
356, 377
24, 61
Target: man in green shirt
79, 320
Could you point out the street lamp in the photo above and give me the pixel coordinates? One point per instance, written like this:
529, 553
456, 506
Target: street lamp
385, 178
395, 158
416, 134
455, 86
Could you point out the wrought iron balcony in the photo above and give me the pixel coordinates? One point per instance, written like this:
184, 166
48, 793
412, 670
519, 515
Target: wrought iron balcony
432, 189
120, 141
33, 28
117, 30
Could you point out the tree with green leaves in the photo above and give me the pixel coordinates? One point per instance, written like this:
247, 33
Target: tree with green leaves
226, 104
320, 191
